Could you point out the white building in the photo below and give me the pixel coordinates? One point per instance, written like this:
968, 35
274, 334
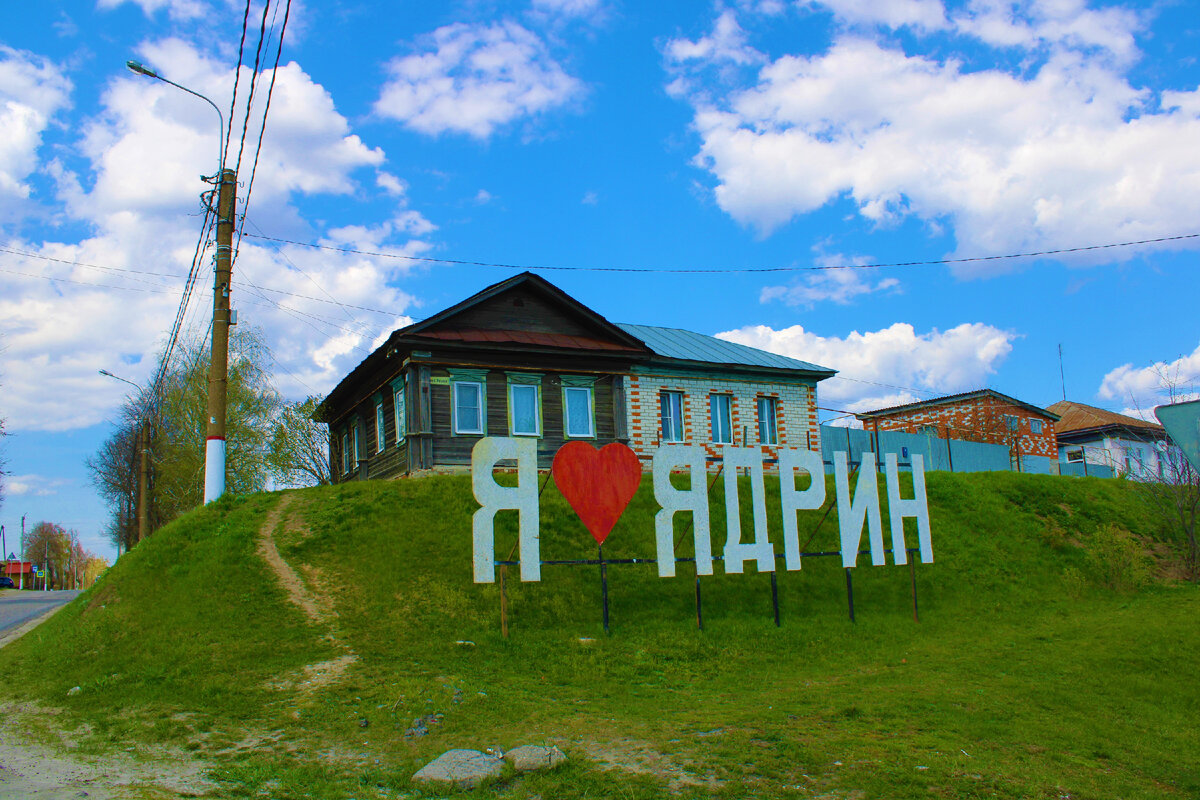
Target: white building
1094, 436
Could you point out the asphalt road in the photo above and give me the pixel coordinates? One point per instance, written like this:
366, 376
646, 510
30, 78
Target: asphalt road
17, 607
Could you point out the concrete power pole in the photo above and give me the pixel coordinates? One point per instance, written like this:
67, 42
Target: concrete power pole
218, 369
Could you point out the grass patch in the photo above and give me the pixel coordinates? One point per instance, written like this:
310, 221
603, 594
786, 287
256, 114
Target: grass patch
1048, 662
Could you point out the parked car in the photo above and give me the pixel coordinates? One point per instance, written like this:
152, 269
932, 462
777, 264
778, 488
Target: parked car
7, 582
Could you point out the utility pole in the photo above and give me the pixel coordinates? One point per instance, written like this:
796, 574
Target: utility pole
144, 482
218, 368
22, 551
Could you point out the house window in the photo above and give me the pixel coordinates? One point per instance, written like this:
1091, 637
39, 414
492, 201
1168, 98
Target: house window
524, 417
1035, 426
720, 417
929, 430
401, 410
577, 411
345, 453
354, 444
1075, 455
1011, 422
468, 407
671, 408
768, 408
380, 440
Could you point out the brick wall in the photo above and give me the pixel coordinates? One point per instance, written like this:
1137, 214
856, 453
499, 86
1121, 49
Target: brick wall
978, 419
796, 419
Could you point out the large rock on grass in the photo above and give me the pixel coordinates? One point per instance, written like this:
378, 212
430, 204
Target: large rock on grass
533, 757
461, 769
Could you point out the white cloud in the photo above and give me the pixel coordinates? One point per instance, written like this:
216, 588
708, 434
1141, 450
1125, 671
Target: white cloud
474, 79
569, 8
1143, 388
727, 42
840, 286
483, 197
590, 198
1071, 155
32, 90
1032, 24
32, 485
145, 150
922, 14
899, 358
180, 10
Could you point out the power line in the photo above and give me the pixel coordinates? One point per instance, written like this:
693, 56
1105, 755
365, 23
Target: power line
263, 128
262, 32
331, 301
730, 270
237, 74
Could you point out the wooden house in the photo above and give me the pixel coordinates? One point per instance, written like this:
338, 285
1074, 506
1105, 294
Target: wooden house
523, 358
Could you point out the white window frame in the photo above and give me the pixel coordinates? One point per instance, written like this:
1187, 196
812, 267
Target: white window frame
591, 412
1012, 423
481, 388
664, 401
380, 426
537, 409
346, 452
354, 442
1036, 426
773, 404
400, 409
713, 405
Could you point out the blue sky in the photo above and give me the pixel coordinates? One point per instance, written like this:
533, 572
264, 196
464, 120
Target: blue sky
745, 134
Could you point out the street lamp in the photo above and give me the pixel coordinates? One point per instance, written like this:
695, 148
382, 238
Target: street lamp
143, 510
218, 370
139, 68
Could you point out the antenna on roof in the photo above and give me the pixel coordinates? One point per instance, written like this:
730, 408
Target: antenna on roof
1061, 375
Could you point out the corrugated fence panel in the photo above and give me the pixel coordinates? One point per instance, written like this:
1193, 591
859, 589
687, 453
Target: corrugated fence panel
979, 457
1077, 469
1036, 465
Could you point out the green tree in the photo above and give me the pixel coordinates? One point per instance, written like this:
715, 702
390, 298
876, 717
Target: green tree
51, 546
178, 416
298, 454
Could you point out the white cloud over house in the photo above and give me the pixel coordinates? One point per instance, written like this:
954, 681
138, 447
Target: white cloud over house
1138, 389
474, 79
1063, 150
893, 365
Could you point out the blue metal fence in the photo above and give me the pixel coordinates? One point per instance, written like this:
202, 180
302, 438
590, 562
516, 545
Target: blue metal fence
951, 455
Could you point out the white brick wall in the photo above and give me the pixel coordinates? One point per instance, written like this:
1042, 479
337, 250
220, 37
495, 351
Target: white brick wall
796, 424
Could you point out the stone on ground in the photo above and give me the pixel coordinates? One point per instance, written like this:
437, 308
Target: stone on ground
462, 769
532, 757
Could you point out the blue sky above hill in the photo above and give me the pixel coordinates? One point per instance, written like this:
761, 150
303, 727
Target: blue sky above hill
746, 134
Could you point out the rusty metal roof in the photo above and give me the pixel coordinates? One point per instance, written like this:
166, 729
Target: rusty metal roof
1080, 416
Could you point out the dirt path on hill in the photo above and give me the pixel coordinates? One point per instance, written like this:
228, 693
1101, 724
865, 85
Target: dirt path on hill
37, 772
317, 607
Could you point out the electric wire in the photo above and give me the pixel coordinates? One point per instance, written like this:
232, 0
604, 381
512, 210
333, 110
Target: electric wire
731, 270
263, 127
262, 32
237, 74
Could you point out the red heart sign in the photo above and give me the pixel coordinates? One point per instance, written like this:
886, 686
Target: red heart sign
597, 483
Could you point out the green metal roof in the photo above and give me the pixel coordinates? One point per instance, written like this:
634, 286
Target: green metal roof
677, 343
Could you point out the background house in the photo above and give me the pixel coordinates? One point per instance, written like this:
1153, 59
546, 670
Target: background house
1094, 436
983, 415
523, 358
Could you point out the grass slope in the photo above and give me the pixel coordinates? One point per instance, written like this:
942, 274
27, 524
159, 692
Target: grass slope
1027, 676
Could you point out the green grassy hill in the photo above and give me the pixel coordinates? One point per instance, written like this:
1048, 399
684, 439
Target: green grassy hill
1054, 657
